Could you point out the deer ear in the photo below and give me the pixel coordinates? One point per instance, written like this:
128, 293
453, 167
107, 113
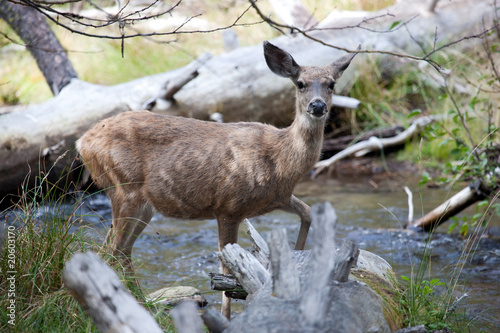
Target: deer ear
341, 64
280, 62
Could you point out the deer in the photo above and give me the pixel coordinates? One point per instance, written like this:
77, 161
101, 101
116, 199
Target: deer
193, 169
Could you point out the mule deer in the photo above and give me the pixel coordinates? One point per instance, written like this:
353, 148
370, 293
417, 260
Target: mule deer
192, 169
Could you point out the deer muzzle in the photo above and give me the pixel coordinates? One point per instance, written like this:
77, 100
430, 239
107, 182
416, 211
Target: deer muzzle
317, 108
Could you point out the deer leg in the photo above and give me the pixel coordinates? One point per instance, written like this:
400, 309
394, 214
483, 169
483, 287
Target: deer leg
228, 234
129, 220
298, 207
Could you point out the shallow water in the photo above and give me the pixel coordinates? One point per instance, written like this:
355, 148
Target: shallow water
371, 211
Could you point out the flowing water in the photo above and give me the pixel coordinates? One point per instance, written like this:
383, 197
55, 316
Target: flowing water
371, 211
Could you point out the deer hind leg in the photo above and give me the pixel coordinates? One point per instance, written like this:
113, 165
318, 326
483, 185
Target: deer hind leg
298, 207
228, 234
131, 214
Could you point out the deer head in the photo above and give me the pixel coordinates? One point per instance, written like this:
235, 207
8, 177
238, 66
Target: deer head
315, 85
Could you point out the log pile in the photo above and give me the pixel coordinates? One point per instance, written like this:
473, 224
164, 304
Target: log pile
322, 290
307, 291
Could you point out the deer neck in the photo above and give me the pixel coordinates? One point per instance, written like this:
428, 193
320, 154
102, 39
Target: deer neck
301, 145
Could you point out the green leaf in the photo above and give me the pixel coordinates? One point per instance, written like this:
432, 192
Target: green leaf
476, 216
483, 203
452, 226
414, 113
405, 278
434, 281
464, 228
425, 178
394, 24
443, 143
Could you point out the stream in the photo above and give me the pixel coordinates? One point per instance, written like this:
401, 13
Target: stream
371, 211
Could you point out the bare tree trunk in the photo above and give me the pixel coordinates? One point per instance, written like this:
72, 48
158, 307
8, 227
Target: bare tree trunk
50, 56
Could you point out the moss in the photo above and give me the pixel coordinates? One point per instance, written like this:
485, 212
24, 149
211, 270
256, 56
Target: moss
390, 293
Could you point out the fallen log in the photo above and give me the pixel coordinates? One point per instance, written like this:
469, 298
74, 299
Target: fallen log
471, 194
308, 291
227, 283
183, 320
293, 13
101, 294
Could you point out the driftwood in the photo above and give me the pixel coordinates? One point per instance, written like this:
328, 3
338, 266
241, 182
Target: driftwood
227, 283
336, 145
214, 320
460, 201
183, 321
308, 291
236, 85
165, 96
374, 144
100, 292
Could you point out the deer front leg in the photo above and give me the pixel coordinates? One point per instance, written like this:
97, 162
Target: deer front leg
129, 220
228, 234
298, 207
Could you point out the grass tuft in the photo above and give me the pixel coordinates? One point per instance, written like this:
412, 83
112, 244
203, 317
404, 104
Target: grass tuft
42, 231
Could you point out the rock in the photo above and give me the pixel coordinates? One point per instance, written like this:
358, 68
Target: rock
173, 295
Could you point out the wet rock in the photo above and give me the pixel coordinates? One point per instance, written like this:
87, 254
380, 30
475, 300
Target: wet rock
376, 265
415, 329
174, 295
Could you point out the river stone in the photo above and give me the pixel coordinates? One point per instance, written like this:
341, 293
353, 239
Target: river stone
173, 295
376, 265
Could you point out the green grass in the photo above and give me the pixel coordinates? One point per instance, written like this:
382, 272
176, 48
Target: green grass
44, 231
436, 302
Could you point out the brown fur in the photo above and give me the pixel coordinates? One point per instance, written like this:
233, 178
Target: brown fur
192, 169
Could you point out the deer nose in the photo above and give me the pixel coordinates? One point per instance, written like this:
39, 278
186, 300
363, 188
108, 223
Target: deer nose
317, 108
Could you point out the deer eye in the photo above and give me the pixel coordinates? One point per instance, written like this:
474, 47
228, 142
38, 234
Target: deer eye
331, 85
300, 85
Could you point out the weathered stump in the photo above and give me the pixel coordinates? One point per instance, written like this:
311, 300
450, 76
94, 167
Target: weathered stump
310, 291
300, 291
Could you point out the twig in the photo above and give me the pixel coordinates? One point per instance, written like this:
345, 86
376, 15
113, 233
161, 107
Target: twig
410, 203
372, 144
125, 20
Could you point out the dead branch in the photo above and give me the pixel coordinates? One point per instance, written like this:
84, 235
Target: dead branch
460, 201
100, 292
374, 144
122, 19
